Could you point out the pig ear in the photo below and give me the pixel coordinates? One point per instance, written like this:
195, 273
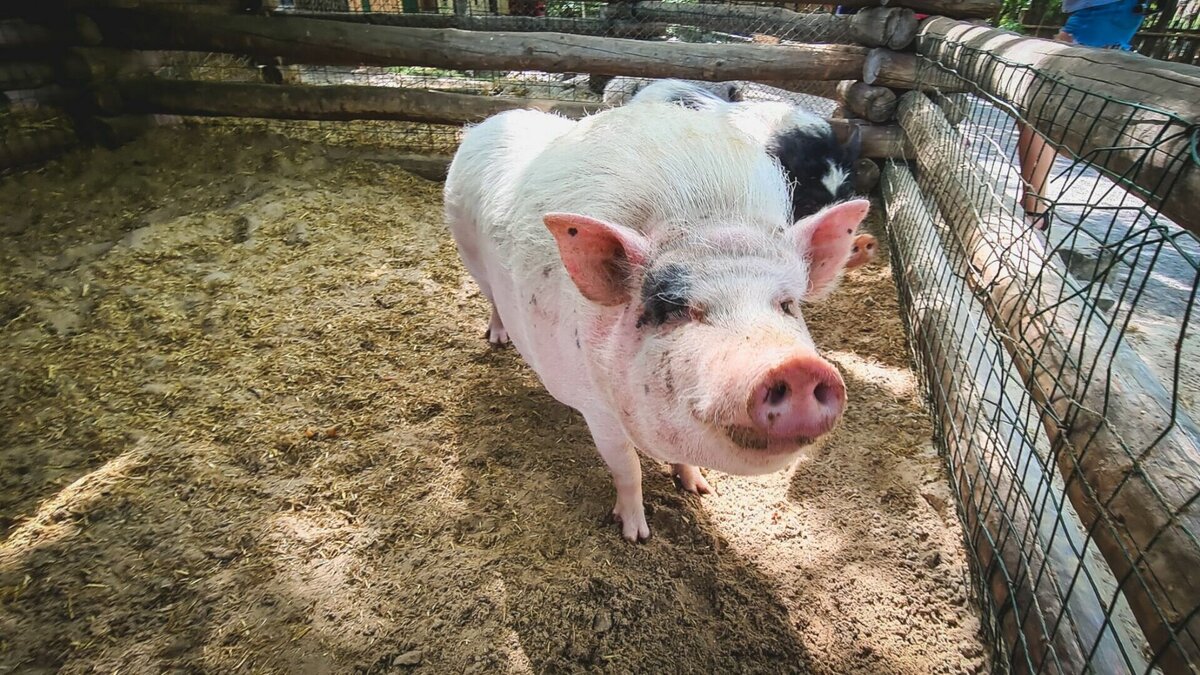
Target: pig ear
825, 239
597, 255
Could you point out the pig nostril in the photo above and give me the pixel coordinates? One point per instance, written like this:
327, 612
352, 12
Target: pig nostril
823, 393
777, 393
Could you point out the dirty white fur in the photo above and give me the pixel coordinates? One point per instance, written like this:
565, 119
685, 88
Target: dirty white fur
694, 188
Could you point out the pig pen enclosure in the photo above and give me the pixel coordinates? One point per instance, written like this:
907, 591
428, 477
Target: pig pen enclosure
250, 422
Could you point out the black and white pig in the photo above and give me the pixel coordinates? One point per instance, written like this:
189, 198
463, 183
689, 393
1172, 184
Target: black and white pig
820, 170
646, 264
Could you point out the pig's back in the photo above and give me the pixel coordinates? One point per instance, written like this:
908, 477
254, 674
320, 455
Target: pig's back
482, 182
641, 166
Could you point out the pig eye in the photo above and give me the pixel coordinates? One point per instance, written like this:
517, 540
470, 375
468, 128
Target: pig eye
788, 307
697, 314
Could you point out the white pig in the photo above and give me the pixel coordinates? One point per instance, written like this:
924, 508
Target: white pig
645, 264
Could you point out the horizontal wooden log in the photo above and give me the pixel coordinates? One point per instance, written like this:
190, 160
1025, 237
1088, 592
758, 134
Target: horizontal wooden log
93, 64
52, 96
35, 147
960, 9
352, 102
1130, 459
1082, 99
190, 6
301, 40
876, 27
113, 132
329, 103
877, 104
22, 34
823, 28
887, 68
25, 75
430, 167
513, 24
890, 27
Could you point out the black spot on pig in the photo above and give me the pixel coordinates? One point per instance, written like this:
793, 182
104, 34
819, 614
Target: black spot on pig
664, 295
814, 161
533, 300
572, 231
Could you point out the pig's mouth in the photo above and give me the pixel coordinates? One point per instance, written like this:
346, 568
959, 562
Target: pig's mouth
754, 439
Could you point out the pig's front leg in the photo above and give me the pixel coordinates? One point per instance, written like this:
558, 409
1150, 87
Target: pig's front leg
691, 479
622, 461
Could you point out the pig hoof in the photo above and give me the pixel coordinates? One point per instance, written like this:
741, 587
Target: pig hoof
496, 335
633, 523
690, 479
862, 252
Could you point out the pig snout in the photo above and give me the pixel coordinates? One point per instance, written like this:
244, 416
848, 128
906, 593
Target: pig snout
797, 400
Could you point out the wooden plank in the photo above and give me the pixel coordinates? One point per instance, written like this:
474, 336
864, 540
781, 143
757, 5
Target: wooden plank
513, 24
301, 40
25, 75
963, 9
353, 102
887, 68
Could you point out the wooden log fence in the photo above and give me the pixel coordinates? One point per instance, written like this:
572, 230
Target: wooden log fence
1130, 460
1084, 99
623, 28
356, 102
303, 40
26, 75
965, 9
23, 34
901, 70
877, 104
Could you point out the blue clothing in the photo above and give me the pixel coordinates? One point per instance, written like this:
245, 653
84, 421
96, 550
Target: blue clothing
1109, 25
1072, 6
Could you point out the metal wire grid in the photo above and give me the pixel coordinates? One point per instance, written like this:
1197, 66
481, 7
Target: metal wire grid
1137, 275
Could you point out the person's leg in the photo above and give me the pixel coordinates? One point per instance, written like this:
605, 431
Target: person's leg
1036, 158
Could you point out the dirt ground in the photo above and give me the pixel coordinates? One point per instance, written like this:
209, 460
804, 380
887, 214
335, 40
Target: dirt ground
249, 424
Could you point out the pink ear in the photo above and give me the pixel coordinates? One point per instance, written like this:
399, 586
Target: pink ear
597, 255
826, 239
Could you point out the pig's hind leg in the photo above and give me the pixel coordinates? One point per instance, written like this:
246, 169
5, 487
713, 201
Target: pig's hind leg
495, 331
464, 233
622, 461
691, 479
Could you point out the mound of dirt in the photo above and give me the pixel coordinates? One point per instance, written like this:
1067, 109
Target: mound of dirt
250, 424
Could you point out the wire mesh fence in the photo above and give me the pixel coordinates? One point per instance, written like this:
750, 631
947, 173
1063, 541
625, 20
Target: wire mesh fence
1060, 365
